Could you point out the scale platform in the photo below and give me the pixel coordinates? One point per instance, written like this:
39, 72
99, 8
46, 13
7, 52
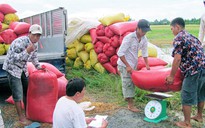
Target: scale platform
155, 110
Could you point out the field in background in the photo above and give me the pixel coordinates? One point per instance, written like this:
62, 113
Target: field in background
161, 35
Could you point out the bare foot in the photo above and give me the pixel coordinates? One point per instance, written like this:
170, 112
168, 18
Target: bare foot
196, 118
133, 109
183, 124
25, 121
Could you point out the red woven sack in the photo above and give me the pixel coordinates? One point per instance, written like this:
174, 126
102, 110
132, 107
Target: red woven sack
42, 96
6, 8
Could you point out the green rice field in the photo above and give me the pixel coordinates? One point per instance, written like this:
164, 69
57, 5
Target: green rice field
161, 35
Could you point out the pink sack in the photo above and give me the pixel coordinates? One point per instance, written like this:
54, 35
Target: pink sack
1, 17
100, 30
98, 47
1, 40
155, 80
12, 25
152, 61
123, 27
102, 58
113, 60
108, 50
103, 39
93, 35
110, 68
52, 68
62, 82
22, 28
6, 8
108, 33
8, 36
42, 96
11, 101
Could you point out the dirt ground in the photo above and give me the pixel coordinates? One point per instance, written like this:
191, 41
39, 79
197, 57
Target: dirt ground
118, 117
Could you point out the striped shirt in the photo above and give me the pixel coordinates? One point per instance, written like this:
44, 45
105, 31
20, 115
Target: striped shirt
17, 57
130, 47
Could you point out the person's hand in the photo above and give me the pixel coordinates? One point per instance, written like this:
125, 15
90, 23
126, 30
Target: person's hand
30, 48
104, 123
42, 67
129, 69
88, 120
169, 80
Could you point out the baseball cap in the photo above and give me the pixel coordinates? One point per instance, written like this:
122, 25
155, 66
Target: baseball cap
144, 25
35, 29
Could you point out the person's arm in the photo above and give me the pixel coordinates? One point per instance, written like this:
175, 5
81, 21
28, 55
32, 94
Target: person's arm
128, 67
175, 66
146, 63
121, 53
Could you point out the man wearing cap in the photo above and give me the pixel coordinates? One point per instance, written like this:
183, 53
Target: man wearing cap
22, 50
128, 58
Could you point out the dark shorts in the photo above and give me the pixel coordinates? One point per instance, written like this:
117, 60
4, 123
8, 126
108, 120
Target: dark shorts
193, 89
18, 86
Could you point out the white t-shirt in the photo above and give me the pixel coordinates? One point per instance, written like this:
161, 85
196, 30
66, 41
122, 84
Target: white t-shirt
130, 47
68, 114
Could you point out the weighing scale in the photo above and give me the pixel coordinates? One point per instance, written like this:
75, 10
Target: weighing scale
155, 110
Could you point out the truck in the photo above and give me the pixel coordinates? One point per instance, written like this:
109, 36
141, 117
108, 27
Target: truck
52, 42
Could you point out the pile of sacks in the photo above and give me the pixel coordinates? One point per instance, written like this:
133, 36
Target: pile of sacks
10, 27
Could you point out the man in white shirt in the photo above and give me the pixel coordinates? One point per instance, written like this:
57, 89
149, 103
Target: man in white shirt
128, 58
67, 113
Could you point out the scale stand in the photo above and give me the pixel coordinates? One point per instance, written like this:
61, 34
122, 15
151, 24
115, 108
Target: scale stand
155, 110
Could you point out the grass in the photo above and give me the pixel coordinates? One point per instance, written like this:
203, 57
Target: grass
107, 87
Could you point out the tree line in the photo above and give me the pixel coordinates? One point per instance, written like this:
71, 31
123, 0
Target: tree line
167, 22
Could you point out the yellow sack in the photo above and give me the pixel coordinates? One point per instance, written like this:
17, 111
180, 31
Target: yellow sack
2, 49
78, 63
111, 19
83, 55
98, 67
69, 62
6, 46
86, 38
11, 17
72, 45
71, 53
93, 57
78, 46
88, 47
152, 51
87, 65
4, 27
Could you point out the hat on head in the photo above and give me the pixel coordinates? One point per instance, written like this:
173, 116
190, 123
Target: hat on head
35, 29
144, 25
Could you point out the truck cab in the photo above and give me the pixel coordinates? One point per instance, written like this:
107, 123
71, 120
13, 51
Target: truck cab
52, 42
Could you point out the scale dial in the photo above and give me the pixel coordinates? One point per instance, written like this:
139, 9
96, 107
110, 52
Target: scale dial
153, 109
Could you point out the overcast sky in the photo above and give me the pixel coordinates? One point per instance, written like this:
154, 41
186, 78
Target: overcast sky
136, 9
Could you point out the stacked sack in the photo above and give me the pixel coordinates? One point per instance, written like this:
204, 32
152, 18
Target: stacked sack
10, 27
81, 54
108, 36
